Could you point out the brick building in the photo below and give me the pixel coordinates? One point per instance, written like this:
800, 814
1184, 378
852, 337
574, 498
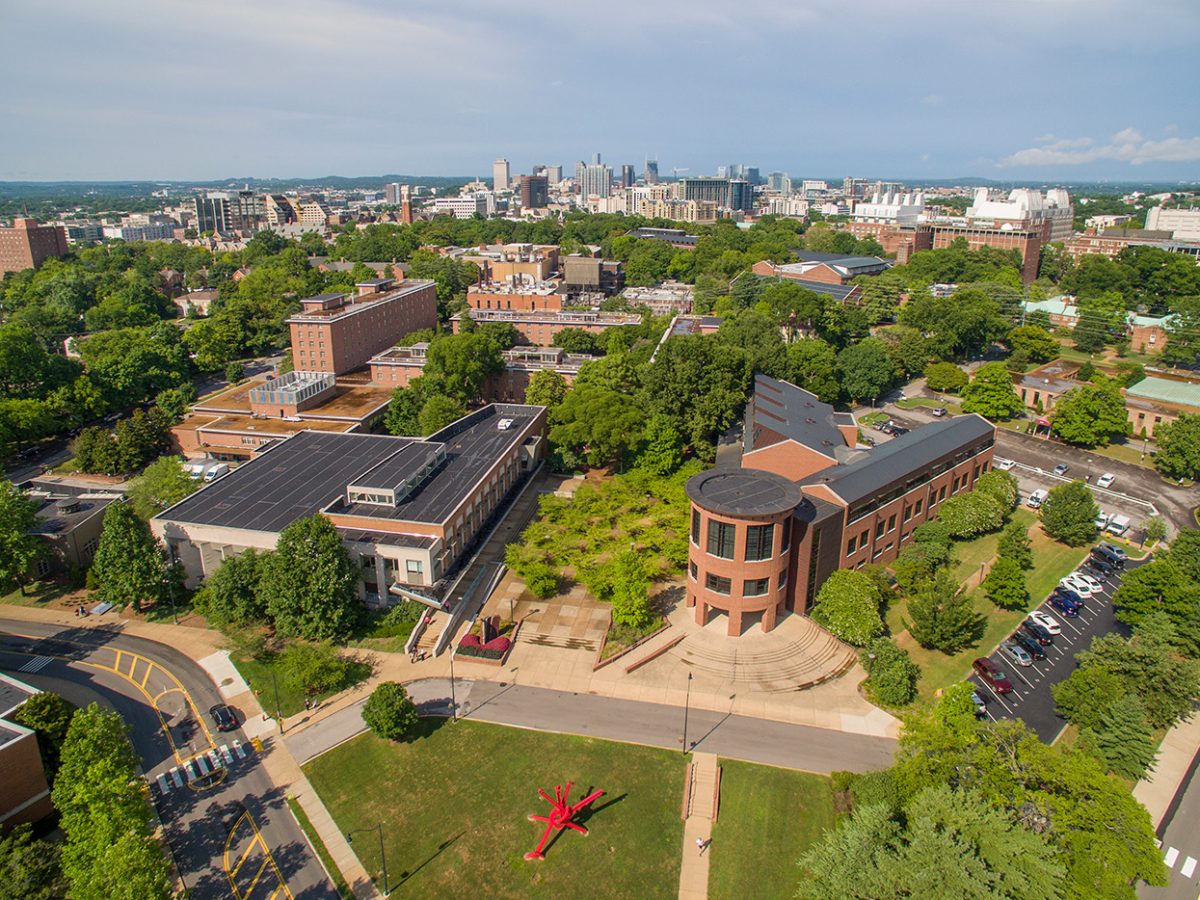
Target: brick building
539, 328
520, 297
26, 245
24, 792
336, 333
805, 502
398, 366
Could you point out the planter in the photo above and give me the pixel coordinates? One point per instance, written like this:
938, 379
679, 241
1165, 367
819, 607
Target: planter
601, 663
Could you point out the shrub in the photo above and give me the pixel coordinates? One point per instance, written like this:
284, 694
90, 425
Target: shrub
848, 605
892, 675
541, 579
1005, 584
972, 514
1000, 485
389, 712
1015, 545
313, 668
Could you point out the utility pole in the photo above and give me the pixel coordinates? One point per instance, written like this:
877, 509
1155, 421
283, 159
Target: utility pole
687, 702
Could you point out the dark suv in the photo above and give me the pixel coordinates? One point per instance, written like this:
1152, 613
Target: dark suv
1037, 632
223, 717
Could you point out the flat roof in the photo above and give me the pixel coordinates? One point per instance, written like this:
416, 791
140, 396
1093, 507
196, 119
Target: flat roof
357, 304
348, 400
270, 427
13, 693
743, 492
897, 459
311, 470
1166, 390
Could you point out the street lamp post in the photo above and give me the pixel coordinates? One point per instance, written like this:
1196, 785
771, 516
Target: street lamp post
687, 705
453, 700
382, 856
278, 711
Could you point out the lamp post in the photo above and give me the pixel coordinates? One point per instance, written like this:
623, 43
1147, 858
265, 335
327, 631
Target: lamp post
687, 702
453, 700
382, 857
174, 561
278, 712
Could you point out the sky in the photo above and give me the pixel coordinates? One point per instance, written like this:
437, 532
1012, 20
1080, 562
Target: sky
1013, 90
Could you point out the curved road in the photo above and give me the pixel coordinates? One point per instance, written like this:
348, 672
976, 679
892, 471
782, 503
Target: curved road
235, 838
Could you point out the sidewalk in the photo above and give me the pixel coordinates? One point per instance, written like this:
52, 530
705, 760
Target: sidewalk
1179, 747
697, 828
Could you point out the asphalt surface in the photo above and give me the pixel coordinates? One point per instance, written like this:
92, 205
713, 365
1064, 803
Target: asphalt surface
1031, 699
652, 724
1180, 835
267, 853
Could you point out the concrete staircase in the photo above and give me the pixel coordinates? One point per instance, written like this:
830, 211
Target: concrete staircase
699, 814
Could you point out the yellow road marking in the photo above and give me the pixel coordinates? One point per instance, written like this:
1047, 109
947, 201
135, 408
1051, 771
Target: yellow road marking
275, 893
146, 677
257, 875
270, 858
252, 846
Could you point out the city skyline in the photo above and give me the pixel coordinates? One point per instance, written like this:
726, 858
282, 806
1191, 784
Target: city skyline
1010, 93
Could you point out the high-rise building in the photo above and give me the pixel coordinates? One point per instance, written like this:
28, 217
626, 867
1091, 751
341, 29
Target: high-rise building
224, 212
580, 165
779, 182
500, 175
597, 180
741, 195
535, 192
553, 174
391, 193
596, 159
651, 171
628, 177
713, 190
27, 244
751, 174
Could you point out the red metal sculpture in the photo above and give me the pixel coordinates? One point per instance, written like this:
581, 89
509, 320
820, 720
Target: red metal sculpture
561, 813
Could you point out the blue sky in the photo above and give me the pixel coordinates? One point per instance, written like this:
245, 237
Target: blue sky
1005, 89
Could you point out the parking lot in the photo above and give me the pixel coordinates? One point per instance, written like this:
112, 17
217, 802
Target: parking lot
1031, 699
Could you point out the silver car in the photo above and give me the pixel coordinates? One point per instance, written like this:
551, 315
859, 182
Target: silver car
1017, 653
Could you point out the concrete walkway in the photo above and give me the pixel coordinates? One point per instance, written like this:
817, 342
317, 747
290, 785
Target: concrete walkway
697, 827
1179, 747
751, 739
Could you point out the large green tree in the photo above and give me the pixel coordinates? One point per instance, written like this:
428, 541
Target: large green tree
1123, 740
19, 547
991, 393
1161, 586
1035, 342
1090, 416
1005, 584
546, 388
891, 674
161, 484
945, 377
1069, 514
812, 365
630, 596
30, 869
971, 514
128, 566
848, 605
941, 615
49, 715
866, 370
596, 427
309, 583
1178, 443
231, 596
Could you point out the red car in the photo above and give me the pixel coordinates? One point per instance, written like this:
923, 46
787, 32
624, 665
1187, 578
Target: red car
993, 675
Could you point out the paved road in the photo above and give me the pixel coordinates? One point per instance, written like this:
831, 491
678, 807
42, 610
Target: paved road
202, 826
1180, 834
1031, 699
652, 724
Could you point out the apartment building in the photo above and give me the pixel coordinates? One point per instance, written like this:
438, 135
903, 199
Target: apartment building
805, 502
398, 366
410, 511
1183, 224
519, 296
26, 245
539, 328
338, 333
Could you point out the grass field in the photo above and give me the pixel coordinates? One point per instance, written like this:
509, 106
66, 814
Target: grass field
454, 804
927, 403
1051, 561
768, 818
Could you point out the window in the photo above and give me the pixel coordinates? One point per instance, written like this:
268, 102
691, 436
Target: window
862, 538
414, 567
851, 546
907, 512
942, 494
717, 584
891, 522
783, 579
759, 539
787, 535
42, 567
917, 508
696, 527
692, 571
756, 587
879, 529
720, 539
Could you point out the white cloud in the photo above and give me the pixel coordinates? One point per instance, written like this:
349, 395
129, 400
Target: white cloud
1128, 145
931, 100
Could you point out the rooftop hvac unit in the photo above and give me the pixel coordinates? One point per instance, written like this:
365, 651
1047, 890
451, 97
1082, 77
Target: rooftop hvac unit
504, 424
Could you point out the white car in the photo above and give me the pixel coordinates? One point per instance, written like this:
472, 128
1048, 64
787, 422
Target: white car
1002, 464
1078, 585
1091, 582
1102, 520
1046, 620
1106, 480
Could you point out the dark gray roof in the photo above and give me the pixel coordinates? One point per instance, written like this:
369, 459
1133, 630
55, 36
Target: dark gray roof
743, 492
841, 259
818, 256
310, 471
13, 693
792, 412
901, 457
398, 467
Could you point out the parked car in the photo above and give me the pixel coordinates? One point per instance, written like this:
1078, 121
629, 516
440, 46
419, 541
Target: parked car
1071, 595
1094, 583
1061, 469
1045, 620
869, 441
992, 675
1037, 632
1113, 550
1106, 480
1002, 464
1101, 566
939, 411
980, 704
1118, 525
1102, 520
1064, 605
1031, 645
1074, 583
224, 717
898, 430
1111, 555
1017, 653
1037, 498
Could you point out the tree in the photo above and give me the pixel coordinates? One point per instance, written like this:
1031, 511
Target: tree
941, 615
1184, 553
1005, 584
128, 566
891, 673
662, 449
579, 340
30, 869
1123, 740
1090, 416
389, 712
144, 436
757, 336
811, 363
1016, 545
309, 584
596, 427
971, 514
1154, 529
991, 393
461, 363
438, 412
865, 369
96, 451
163, 483
404, 411
952, 843
50, 716
18, 546
231, 596
917, 562
314, 668
546, 388
1148, 668
945, 377
1084, 695
631, 591
1178, 454
1001, 486
1035, 342
1069, 514
848, 605
110, 849
1161, 586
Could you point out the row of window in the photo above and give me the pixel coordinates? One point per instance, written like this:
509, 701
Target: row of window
867, 507
760, 539
751, 587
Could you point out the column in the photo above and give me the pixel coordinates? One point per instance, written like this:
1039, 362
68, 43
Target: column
381, 580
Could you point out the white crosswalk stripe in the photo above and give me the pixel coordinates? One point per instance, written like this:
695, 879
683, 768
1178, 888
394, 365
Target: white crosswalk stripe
1189, 866
1171, 856
36, 664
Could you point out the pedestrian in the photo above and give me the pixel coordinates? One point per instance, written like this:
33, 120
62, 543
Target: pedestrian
702, 844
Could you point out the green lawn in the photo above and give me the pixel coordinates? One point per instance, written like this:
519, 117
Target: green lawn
1051, 561
258, 673
927, 403
455, 802
768, 818
38, 593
